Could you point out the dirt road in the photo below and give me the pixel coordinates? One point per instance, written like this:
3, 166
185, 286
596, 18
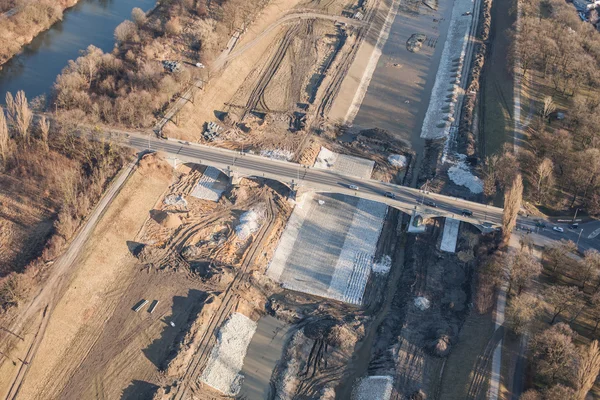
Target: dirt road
47, 297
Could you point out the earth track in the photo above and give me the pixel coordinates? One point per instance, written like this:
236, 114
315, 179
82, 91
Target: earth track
230, 297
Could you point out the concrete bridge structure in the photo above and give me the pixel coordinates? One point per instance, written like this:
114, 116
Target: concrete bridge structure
301, 178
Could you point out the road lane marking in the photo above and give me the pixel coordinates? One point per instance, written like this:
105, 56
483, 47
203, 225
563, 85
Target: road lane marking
594, 234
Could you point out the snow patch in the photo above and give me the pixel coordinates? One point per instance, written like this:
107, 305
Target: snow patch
422, 303
383, 266
175, 200
250, 222
397, 160
278, 154
461, 174
374, 388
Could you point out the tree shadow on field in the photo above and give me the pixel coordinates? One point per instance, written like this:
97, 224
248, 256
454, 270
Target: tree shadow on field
184, 310
139, 390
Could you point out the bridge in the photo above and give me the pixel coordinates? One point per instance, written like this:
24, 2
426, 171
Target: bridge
301, 178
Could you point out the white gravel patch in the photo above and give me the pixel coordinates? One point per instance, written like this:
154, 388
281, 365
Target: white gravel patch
446, 89
250, 222
277, 154
374, 388
208, 187
175, 200
461, 174
422, 303
397, 160
383, 266
450, 235
227, 357
327, 250
344, 164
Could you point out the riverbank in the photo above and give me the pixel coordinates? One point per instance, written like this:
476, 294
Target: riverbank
21, 25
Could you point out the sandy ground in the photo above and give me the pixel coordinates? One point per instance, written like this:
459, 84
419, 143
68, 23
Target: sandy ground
400, 88
91, 298
222, 88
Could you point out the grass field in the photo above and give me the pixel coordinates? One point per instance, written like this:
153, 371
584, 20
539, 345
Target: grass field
496, 105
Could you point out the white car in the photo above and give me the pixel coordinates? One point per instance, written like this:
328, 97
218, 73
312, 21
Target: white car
353, 187
558, 229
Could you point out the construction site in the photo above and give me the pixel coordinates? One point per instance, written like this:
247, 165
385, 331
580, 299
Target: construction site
197, 288
200, 285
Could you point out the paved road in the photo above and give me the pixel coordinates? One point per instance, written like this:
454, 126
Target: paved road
307, 178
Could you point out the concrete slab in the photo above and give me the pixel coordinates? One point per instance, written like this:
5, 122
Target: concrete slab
450, 235
328, 249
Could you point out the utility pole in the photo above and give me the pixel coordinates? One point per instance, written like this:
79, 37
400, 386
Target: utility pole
580, 232
575, 216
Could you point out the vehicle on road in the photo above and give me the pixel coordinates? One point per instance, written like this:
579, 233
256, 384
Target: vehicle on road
466, 213
558, 229
390, 195
574, 226
540, 224
353, 187
430, 203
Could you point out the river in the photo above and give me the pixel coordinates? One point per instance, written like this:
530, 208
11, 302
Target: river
34, 70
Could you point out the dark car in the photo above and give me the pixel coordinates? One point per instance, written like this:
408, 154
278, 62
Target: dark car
390, 195
430, 203
466, 213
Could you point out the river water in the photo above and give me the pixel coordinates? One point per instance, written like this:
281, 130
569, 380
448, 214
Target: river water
34, 70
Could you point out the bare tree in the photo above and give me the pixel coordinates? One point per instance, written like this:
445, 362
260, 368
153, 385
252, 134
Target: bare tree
561, 299
4, 138
587, 369
595, 311
548, 108
588, 268
512, 203
138, 16
20, 114
543, 177
554, 352
523, 267
44, 126
558, 391
521, 310
531, 394
126, 31
557, 252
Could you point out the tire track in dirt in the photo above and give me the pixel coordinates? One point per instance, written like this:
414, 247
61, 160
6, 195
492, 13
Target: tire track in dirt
230, 297
257, 94
481, 369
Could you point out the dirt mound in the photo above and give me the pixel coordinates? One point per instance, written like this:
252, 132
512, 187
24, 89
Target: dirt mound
166, 219
184, 351
415, 42
154, 163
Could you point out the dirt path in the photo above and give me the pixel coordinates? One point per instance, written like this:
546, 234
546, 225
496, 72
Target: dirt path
54, 287
228, 302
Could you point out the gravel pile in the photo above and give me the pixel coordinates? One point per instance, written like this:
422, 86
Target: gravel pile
374, 388
227, 357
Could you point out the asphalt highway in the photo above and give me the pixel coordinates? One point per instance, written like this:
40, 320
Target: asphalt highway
307, 178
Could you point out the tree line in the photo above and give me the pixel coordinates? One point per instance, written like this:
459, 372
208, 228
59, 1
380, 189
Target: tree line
52, 162
129, 86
